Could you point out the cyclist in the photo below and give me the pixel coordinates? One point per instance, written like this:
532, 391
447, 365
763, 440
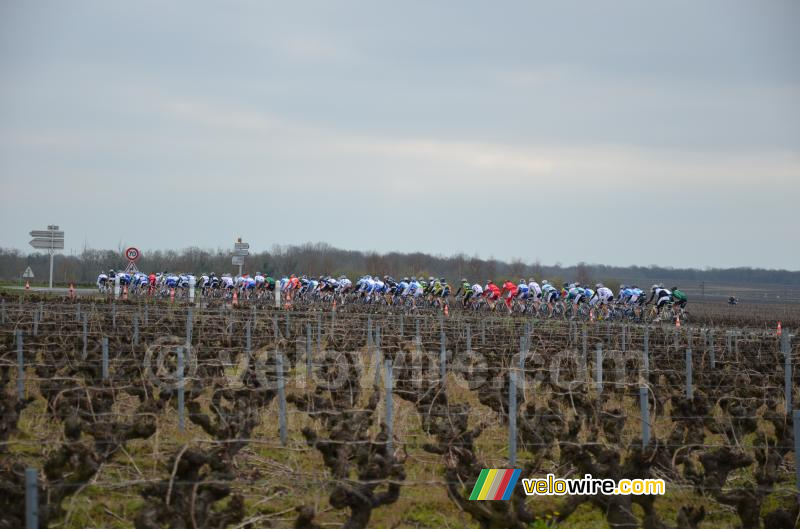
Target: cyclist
344, 286
624, 295
588, 293
399, 288
476, 293
227, 282
536, 290
391, 288
573, 293
269, 283
577, 295
429, 286
102, 281
138, 280
661, 295
602, 297
523, 290
151, 280
327, 285
679, 298
292, 287
171, 280
564, 289
466, 287
491, 293
535, 293
414, 289
378, 288
261, 281
549, 294
509, 293
124, 279
637, 295
365, 286
238, 283
203, 283
444, 292
249, 286
411, 287
304, 284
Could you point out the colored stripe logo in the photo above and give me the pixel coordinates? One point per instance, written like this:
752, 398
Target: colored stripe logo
495, 484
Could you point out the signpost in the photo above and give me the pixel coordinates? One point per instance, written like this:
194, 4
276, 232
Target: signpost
240, 251
51, 239
132, 254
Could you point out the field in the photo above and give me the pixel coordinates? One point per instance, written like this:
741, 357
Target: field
147, 415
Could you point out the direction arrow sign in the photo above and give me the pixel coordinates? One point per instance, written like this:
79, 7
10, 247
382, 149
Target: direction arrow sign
242, 245
47, 233
50, 239
237, 260
241, 252
47, 244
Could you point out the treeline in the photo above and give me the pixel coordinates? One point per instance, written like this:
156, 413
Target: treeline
318, 259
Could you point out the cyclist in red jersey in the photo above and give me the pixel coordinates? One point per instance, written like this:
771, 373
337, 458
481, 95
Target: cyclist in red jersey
492, 293
510, 292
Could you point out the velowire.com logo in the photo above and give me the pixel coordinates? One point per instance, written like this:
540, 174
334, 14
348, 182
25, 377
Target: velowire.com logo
498, 484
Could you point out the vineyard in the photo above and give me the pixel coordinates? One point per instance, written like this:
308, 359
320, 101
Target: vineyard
150, 415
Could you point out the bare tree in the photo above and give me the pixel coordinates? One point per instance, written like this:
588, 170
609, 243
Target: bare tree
583, 274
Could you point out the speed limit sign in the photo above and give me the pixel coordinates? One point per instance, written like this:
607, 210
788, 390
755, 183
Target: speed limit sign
132, 253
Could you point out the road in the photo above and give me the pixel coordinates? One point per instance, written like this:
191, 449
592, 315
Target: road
60, 291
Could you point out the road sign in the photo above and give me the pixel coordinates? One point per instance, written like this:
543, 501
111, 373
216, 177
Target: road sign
240, 251
51, 239
41, 243
28, 273
47, 233
132, 254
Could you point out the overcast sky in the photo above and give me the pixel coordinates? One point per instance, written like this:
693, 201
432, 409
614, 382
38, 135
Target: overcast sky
621, 132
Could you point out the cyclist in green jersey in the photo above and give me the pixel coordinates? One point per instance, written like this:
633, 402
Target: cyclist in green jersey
679, 298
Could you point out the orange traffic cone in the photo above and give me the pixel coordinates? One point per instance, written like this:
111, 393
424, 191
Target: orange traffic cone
678, 322
235, 298
27, 285
71, 291
780, 330
172, 295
